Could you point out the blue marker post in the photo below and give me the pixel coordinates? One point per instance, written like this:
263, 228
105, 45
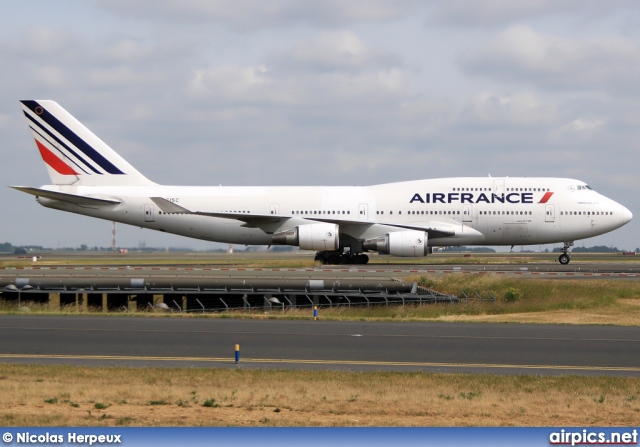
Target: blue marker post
315, 313
237, 354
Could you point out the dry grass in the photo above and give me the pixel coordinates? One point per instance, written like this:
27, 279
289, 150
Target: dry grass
35, 395
566, 301
573, 301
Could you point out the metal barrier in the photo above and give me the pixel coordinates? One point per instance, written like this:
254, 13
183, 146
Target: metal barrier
223, 295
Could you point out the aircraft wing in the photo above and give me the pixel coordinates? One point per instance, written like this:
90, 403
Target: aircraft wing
434, 229
253, 220
64, 197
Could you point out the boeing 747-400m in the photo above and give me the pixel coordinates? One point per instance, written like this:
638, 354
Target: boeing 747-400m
341, 223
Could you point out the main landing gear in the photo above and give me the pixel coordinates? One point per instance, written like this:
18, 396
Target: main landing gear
339, 257
564, 257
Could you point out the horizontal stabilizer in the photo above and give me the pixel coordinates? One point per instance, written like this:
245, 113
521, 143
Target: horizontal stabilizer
64, 197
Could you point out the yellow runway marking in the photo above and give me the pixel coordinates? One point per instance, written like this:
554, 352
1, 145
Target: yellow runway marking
318, 362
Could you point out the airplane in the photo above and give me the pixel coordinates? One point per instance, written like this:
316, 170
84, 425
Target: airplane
340, 223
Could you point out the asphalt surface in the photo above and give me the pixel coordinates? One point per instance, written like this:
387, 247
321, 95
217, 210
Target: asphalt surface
597, 270
356, 346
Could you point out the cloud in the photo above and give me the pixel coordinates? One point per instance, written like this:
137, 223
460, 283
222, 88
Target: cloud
335, 68
579, 127
494, 13
62, 62
522, 111
128, 50
257, 14
522, 55
44, 42
333, 51
234, 84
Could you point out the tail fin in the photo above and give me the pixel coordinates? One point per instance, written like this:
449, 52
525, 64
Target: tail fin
72, 153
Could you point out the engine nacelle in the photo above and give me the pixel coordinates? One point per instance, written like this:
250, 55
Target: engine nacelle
320, 236
407, 243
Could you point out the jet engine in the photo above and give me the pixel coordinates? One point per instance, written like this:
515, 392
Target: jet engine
407, 243
320, 236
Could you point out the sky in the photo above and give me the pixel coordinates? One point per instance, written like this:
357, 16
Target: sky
300, 92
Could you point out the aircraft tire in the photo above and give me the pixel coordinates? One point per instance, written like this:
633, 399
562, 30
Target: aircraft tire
564, 259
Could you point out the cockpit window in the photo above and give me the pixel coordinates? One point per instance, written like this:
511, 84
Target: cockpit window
585, 187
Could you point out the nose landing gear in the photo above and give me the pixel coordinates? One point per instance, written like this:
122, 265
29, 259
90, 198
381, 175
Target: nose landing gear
564, 257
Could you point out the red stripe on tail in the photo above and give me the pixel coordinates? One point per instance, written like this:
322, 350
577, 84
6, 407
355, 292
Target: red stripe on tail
52, 160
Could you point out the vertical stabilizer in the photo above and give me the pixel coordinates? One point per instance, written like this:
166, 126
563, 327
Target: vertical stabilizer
72, 153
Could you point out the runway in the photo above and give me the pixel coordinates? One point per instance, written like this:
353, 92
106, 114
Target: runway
599, 270
354, 346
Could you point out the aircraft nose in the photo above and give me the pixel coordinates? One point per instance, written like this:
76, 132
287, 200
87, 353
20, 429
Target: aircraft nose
626, 215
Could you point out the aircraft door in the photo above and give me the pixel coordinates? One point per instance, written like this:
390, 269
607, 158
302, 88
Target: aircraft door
149, 213
275, 209
467, 213
363, 212
549, 213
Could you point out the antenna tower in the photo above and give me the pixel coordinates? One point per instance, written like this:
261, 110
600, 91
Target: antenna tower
113, 240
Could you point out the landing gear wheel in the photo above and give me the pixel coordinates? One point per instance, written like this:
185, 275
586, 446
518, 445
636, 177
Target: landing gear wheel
335, 257
564, 257
360, 259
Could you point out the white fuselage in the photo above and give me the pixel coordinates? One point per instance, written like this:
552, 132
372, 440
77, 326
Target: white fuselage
478, 211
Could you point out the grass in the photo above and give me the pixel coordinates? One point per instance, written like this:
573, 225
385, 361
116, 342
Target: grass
518, 300
172, 397
616, 301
